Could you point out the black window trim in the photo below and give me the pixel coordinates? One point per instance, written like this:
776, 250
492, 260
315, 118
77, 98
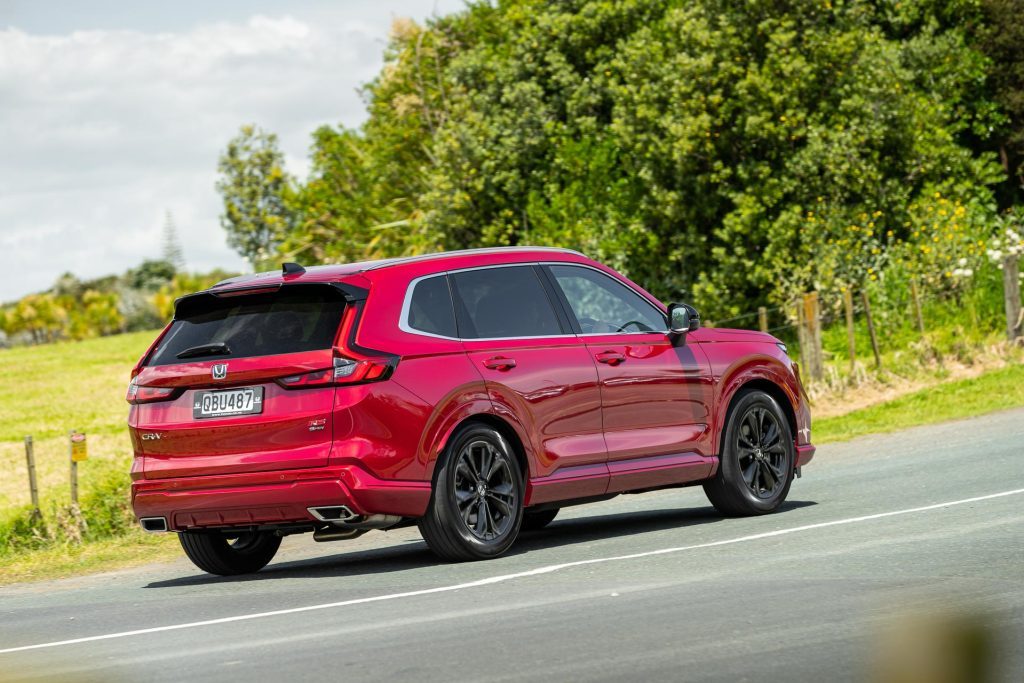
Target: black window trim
460, 309
563, 311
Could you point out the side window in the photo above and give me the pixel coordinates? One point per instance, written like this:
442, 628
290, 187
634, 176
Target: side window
503, 302
430, 307
602, 304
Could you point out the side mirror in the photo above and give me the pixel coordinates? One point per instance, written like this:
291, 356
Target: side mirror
683, 318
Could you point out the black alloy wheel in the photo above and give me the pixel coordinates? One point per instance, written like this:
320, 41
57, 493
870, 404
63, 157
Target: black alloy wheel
756, 463
761, 455
477, 503
485, 490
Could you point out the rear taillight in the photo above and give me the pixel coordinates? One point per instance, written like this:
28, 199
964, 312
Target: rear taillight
345, 371
141, 394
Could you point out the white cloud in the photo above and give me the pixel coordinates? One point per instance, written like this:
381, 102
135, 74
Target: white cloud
103, 131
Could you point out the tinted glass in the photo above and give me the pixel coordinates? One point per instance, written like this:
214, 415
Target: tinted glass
297, 318
504, 302
603, 304
430, 308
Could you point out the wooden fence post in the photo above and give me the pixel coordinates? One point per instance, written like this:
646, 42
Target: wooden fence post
851, 339
801, 333
812, 322
1011, 297
762, 318
74, 471
915, 296
30, 460
871, 328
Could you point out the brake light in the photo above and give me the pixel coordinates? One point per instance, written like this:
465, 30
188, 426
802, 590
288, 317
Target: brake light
142, 394
345, 371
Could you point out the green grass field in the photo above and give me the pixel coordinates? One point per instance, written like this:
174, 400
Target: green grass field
47, 390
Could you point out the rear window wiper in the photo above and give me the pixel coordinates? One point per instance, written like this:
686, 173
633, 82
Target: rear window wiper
215, 349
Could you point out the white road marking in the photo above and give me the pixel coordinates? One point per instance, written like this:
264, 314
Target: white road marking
510, 577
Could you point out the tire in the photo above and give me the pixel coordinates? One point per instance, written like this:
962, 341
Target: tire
535, 521
226, 555
472, 515
758, 452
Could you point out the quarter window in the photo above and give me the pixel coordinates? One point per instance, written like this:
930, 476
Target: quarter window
430, 307
503, 302
604, 305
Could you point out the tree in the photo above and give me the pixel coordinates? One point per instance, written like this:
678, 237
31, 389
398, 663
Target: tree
150, 275
255, 189
39, 315
172, 252
735, 153
1001, 39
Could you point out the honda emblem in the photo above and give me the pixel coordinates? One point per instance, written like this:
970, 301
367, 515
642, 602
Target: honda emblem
220, 370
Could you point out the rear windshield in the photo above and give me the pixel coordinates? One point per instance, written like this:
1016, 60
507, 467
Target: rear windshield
288, 320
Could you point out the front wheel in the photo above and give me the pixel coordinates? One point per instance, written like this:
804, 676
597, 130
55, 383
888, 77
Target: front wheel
477, 504
228, 555
756, 468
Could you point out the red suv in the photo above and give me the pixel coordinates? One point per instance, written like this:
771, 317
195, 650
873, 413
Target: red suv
472, 393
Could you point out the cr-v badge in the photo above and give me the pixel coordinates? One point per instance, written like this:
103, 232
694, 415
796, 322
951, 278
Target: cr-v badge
220, 370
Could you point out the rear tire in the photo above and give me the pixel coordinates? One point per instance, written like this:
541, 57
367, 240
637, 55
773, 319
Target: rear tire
477, 504
756, 464
227, 555
535, 521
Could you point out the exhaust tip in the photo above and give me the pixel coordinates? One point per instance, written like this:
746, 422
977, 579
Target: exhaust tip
153, 524
332, 513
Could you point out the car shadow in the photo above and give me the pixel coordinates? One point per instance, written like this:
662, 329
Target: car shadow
414, 554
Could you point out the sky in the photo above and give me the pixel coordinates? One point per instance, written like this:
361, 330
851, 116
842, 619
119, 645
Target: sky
113, 114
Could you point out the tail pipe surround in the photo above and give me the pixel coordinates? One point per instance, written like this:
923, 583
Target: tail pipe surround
342, 516
153, 524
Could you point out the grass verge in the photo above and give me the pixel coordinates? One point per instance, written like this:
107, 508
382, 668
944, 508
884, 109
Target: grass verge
69, 559
992, 391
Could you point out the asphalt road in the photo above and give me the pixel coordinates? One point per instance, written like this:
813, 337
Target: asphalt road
649, 587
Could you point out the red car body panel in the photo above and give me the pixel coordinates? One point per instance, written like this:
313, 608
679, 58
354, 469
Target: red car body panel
590, 415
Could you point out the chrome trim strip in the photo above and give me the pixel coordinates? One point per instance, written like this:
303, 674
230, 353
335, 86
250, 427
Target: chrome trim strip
347, 513
403, 316
161, 520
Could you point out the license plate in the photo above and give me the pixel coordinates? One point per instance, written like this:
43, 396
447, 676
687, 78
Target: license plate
243, 401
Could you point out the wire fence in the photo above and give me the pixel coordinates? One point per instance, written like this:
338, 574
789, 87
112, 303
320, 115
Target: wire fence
870, 321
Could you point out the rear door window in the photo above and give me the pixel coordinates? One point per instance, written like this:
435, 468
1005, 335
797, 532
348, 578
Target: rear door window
288, 320
503, 302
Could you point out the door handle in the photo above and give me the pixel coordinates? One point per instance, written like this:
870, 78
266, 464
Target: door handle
610, 357
500, 363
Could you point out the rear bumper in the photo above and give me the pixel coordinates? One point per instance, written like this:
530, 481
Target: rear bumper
274, 497
804, 454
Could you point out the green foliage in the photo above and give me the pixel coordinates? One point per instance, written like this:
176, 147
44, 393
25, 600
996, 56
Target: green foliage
39, 315
255, 189
734, 153
150, 275
1001, 38
140, 299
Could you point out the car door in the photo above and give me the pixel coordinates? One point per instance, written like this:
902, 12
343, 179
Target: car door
656, 390
538, 374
